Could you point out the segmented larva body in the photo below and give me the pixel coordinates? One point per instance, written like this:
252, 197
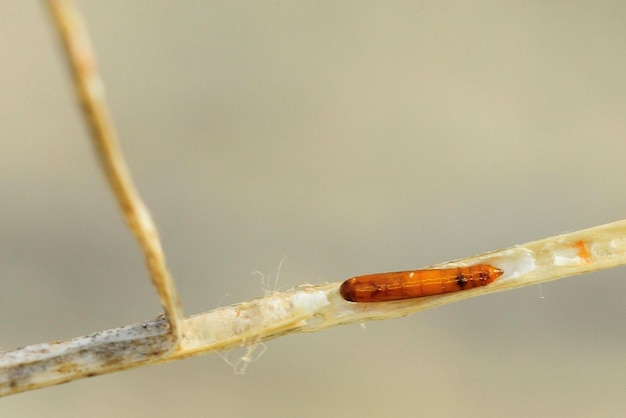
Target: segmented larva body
383, 287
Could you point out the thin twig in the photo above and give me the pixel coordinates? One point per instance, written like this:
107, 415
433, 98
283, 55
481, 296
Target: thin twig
307, 308
304, 309
90, 90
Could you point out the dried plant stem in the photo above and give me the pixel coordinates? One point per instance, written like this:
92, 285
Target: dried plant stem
307, 308
90, 90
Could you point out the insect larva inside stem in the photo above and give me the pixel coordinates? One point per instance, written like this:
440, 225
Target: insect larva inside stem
383, 287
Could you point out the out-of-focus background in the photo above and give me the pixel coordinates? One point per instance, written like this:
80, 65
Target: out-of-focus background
351, 137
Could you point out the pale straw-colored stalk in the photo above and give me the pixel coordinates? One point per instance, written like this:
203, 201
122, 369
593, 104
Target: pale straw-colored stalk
308, 308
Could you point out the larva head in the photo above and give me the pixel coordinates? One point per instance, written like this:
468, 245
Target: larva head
348, 290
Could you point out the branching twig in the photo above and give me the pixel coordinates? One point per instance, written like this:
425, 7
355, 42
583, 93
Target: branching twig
304, 309
90, 90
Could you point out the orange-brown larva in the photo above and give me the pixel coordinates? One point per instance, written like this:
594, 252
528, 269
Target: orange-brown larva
383, 287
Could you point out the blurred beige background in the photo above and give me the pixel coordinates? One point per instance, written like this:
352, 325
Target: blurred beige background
352, 137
